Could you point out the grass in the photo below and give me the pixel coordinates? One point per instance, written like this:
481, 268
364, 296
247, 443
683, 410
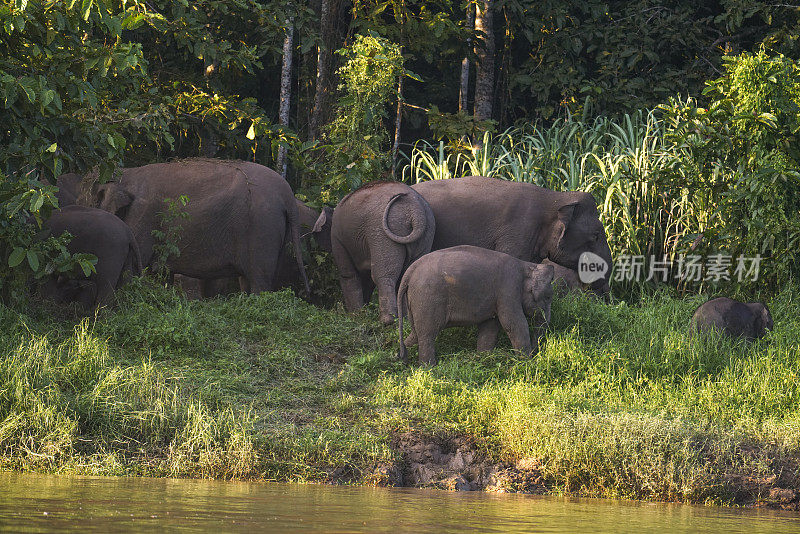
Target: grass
620, 402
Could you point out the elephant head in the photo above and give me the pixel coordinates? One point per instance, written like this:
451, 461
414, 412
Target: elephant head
538, 294
322, 229
763, 319
576, 229
113, 198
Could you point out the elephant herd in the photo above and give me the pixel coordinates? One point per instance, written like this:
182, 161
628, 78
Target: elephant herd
464, 251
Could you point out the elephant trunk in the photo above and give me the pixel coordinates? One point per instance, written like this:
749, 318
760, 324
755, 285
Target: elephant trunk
294, 225
418, 221
402, 353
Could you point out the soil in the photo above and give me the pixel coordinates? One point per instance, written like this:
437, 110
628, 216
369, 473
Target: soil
455, 463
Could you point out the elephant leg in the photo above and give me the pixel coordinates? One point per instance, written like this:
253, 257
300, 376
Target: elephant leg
349, 279
487, 334
105, 279
516, 326
386, 274
427, 326
260, 271
367, 287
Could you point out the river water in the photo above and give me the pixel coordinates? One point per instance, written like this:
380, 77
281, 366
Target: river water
42, 503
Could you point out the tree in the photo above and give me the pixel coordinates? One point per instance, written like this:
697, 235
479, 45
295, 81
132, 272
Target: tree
484, 50
463, 92
321, 87
286, 92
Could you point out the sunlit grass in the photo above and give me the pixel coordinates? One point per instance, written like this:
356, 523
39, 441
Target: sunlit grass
620, 401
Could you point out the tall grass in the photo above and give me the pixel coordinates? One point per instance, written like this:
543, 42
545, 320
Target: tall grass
637, 178
620, 401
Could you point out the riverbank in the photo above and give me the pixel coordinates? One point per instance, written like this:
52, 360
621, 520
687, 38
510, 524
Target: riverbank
619, 403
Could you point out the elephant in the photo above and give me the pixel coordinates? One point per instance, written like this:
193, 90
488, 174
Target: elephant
565, 280
467, 285
529, 222
376, 232
240, 216
287, 274
107, 237
68, 189
749, 320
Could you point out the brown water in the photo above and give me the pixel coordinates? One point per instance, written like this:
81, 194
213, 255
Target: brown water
38, 503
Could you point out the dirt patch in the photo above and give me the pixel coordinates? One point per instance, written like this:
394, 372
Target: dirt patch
454, 463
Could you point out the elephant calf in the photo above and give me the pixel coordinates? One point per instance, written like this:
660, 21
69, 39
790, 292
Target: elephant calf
376, 232
749, 320
467, 285
100, 233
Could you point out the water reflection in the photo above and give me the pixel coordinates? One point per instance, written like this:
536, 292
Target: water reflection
49, 503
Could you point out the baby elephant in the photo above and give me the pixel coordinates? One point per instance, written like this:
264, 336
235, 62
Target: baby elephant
468, 285
749, 320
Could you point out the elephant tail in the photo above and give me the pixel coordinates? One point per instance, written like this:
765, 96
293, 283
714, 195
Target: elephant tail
402, 307
133, 262
418, 220
294, 228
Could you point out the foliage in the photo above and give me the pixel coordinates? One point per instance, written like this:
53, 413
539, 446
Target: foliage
66, 84
167, 235
744, 153
357, 136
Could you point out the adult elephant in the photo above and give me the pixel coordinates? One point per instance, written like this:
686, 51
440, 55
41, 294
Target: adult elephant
287, 273
523, 220
240, 216
107, 237
375, 233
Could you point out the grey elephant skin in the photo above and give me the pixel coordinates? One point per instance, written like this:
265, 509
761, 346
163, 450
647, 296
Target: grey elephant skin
68, 189
376, 232
748, 320
240, 216
106, 236
287, 273
468, 285
565, 281
526, 221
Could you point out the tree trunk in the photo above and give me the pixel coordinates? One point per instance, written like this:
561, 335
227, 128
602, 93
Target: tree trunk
286, 91
484, 79
464, 91
323, 71
397, 121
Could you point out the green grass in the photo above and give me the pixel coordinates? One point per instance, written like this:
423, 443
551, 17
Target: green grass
619, 402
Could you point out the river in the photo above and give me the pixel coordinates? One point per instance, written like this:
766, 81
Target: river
44, 503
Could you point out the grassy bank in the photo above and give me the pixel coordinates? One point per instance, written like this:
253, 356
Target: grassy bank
620, 402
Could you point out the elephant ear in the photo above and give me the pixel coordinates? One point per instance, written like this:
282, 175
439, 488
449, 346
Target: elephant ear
112, 198
566, 215
540, 281
763, 317
322, 220
322, 229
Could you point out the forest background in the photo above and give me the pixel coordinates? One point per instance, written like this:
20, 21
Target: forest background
335, 93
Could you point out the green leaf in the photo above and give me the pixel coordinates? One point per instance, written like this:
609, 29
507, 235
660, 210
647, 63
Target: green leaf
33, 260
86, 8
251, 133
16, 257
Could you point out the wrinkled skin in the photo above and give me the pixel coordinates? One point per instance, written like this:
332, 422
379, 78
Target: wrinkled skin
749, 320
526, 221
467, 285
240, 216
376, 232
102, 234
287, 275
